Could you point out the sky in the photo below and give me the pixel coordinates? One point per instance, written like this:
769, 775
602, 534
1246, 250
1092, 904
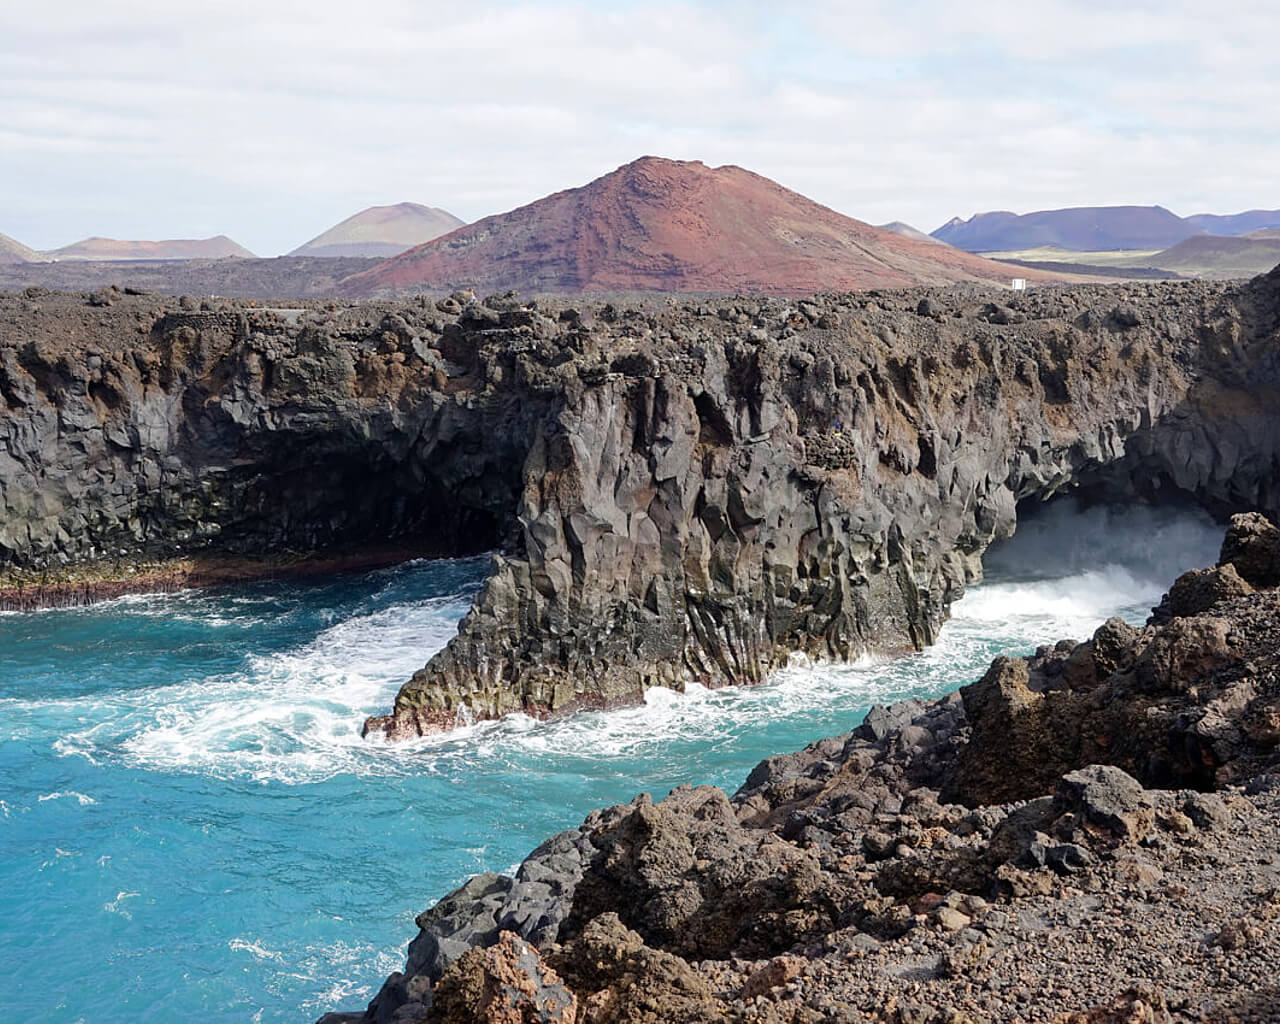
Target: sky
271, 120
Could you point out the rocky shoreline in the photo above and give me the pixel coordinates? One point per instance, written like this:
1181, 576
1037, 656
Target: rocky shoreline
78, 586
679, 490
698, 490
1086, 836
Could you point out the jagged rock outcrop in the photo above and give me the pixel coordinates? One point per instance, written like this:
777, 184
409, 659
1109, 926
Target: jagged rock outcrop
506, 983
713, 504
678, 492
1186, 701
845, 883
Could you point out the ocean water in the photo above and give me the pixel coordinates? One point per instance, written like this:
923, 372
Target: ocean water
192, 829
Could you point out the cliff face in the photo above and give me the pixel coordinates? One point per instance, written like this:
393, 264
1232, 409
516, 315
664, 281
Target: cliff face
678, 492
827, 483
143, 442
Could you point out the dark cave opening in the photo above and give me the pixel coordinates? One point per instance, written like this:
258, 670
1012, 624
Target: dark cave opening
348, 501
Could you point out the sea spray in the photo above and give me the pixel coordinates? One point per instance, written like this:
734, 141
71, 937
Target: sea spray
1064, 538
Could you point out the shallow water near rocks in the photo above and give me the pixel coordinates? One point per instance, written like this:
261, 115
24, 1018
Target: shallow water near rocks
192, 829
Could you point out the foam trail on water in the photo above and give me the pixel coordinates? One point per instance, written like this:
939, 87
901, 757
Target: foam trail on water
292, 714
83, 800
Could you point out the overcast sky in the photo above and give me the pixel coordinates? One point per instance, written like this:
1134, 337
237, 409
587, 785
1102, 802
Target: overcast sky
270, 120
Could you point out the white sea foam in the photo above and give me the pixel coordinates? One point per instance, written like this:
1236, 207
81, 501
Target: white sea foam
255, 948
331, 965
85, 801
116, 906
292, 716
1064, 603
58, 855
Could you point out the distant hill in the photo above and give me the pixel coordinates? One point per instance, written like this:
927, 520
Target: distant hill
1215, 256
381, 231
215, 248
1095, 228
1081, 229
907, 231
13, 251
667, 225
1235, 224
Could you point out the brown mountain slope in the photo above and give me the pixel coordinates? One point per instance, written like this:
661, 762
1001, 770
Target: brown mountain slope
666, 225
382, 231
13, 251
1221, 257
169, 249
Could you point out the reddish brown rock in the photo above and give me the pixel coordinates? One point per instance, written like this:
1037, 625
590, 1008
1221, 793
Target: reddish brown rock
773, 975
505, 984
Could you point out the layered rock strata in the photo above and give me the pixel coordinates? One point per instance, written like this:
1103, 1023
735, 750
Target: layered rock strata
678, 492
1085, 835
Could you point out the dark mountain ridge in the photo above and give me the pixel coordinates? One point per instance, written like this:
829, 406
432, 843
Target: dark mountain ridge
1094, 228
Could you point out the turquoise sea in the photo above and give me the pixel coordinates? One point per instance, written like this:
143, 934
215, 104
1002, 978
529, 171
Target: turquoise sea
192, 829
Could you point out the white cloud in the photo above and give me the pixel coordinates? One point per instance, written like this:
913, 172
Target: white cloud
271, 120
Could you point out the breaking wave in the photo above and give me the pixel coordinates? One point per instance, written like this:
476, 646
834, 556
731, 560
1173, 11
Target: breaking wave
293, 715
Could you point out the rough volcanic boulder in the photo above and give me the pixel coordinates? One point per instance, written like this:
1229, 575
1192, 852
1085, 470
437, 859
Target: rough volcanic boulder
1181, 702
506, 983
690, 879
1252, 548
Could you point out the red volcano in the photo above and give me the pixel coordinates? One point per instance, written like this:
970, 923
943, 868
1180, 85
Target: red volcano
675, 226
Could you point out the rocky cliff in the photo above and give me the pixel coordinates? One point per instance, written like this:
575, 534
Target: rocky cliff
1086, 836
149, 440
678, 492
744, 482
